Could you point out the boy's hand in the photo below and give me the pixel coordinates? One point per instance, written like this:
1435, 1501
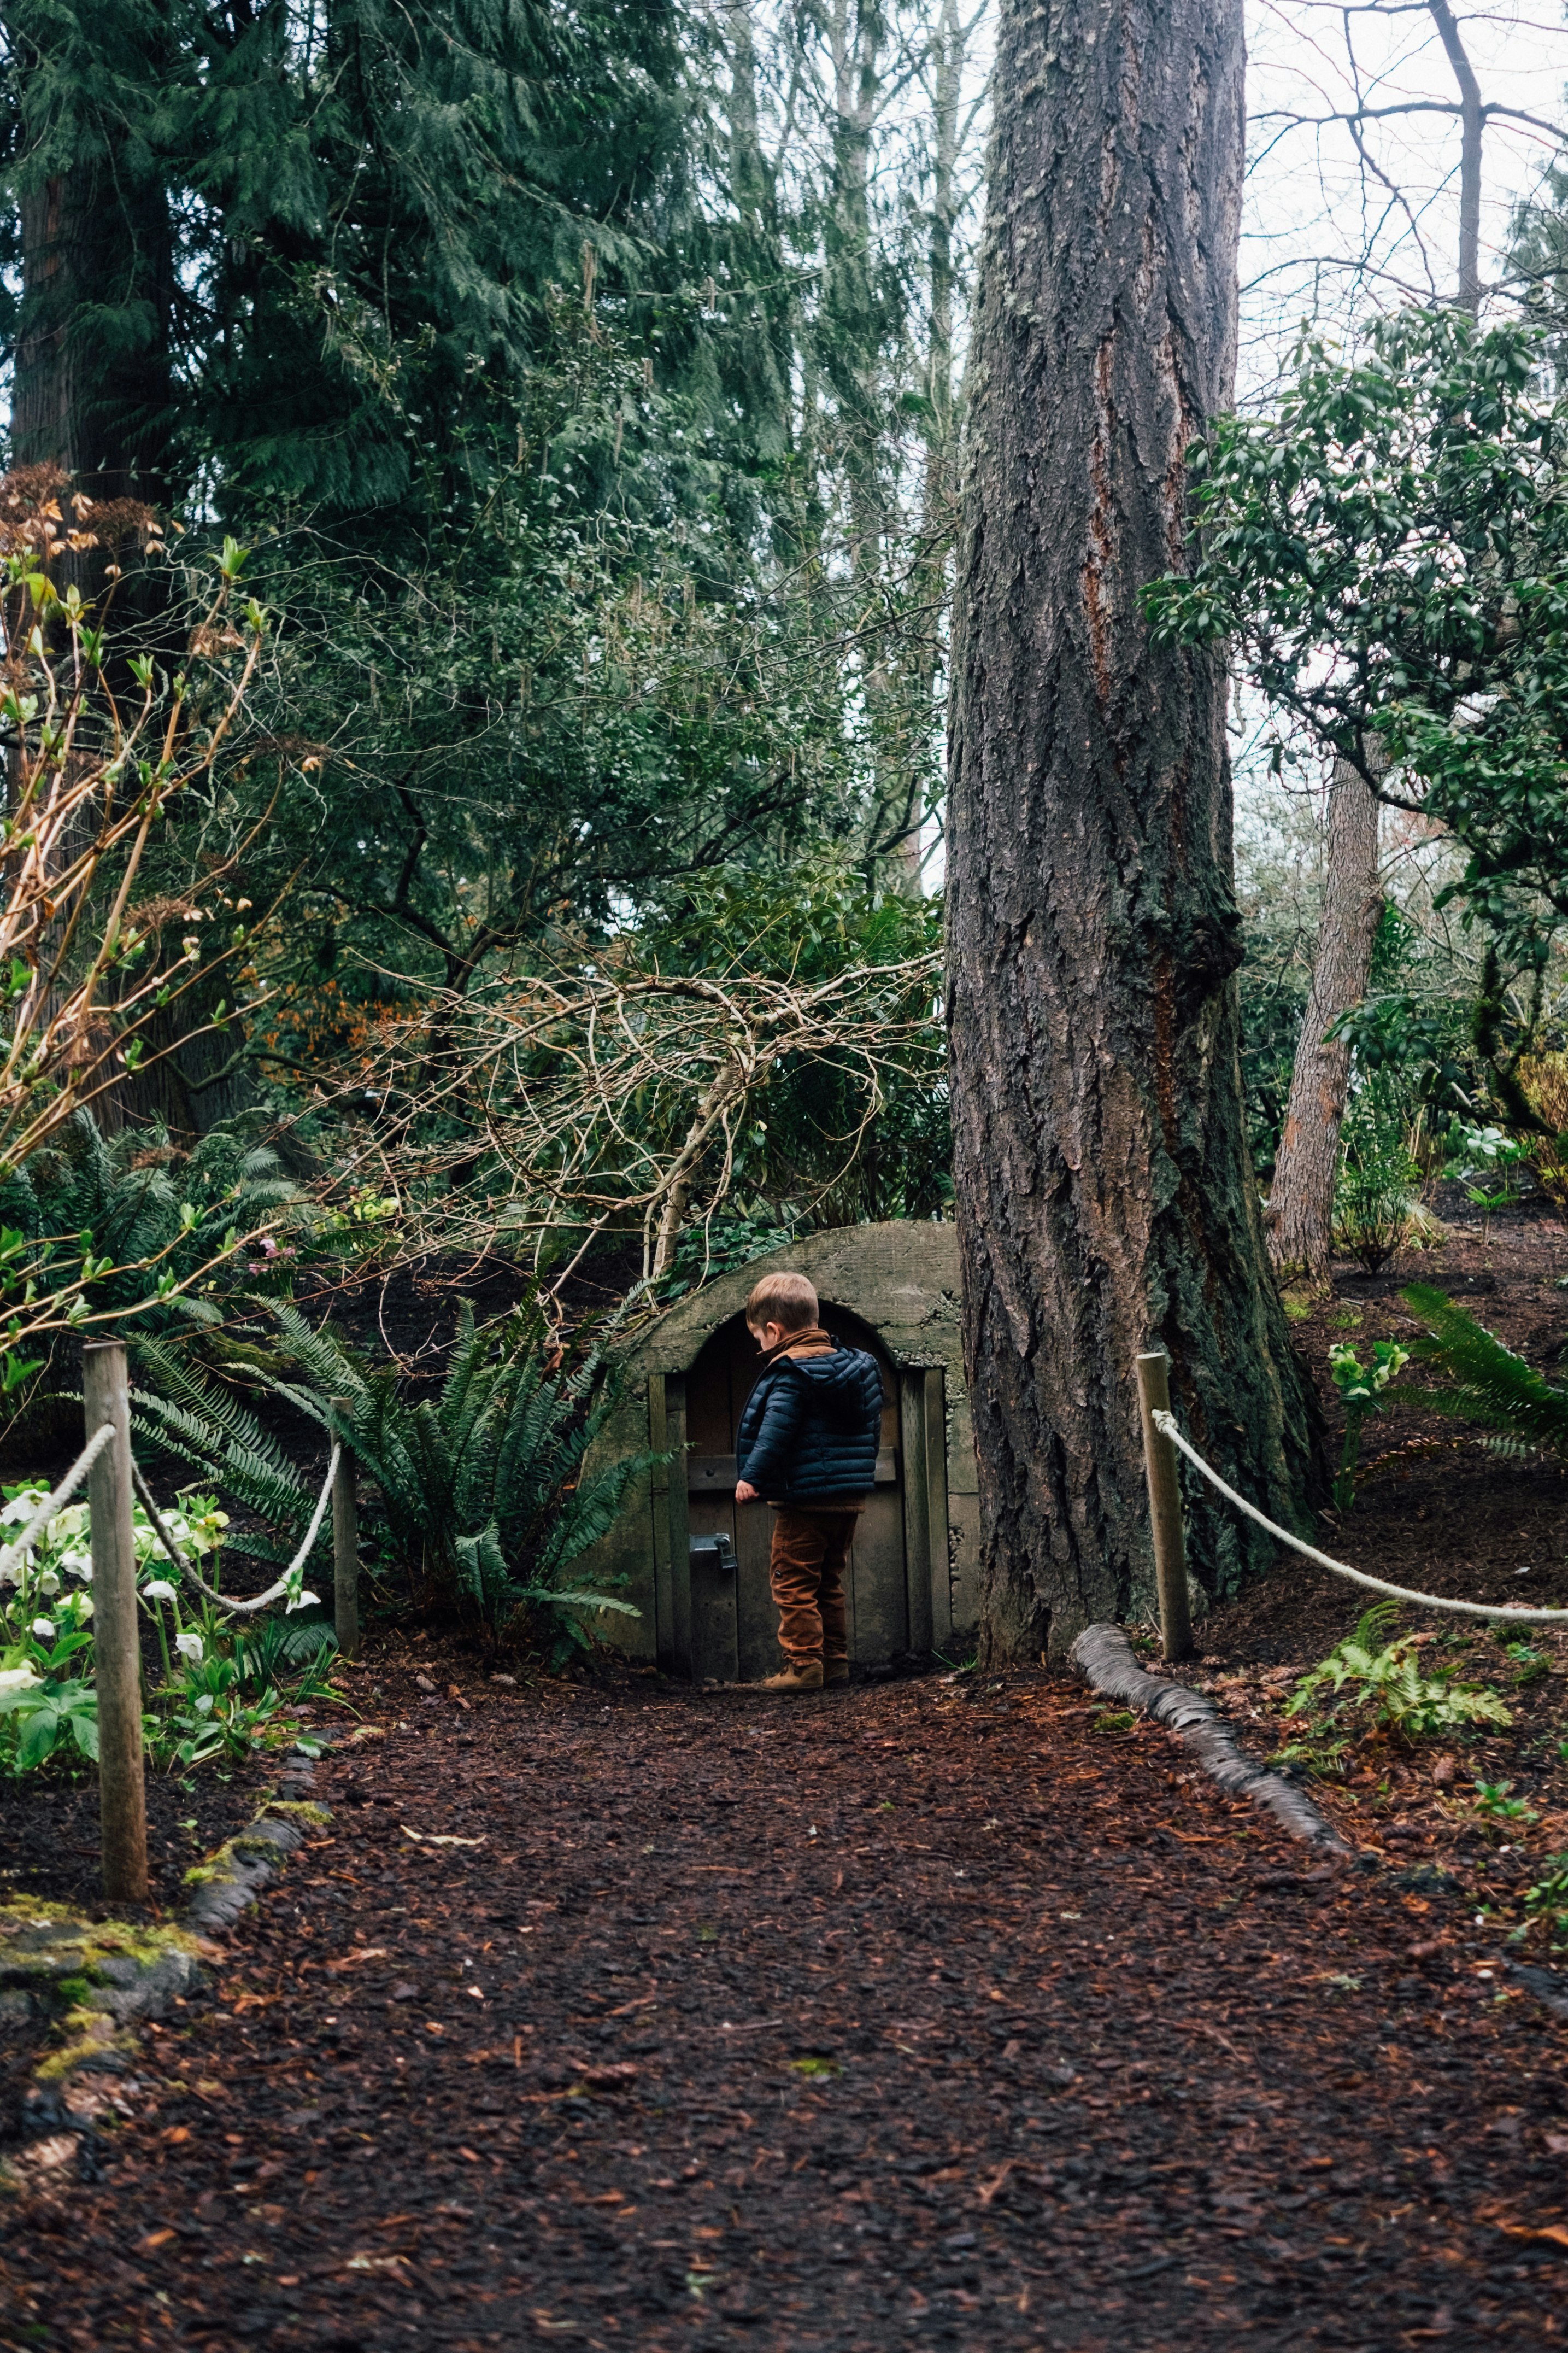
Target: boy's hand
744, 1492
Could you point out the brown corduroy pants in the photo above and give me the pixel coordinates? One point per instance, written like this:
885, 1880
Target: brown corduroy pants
810, 1551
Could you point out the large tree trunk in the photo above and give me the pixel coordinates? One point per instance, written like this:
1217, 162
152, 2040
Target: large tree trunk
1105, 1196
1302, 1196
92, 359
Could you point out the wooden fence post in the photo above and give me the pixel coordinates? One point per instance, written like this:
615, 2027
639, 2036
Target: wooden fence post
345, 1550
1154, 1371
116, 1629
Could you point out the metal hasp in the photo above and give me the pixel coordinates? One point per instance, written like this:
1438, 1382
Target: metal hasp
717, 1553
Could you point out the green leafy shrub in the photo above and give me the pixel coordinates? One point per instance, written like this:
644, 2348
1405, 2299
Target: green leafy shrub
1383, 1680
120, 1224
1546, 1905
1544, 1080
1493, 1803
481, 1490
224, 1686
1487, 1382
48, 1714
1475, 1152
1324, 1760
1361, 1388
1375, 1205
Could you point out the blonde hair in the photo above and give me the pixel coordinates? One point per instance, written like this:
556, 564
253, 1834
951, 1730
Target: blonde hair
787, 1300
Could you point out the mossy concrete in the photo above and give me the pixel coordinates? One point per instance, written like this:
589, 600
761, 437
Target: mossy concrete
87, 1980
79, 1987
82, 1984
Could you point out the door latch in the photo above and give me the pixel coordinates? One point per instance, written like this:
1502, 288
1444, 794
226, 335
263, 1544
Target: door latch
717, 1553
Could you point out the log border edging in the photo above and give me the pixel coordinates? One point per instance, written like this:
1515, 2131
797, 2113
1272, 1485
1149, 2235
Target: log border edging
1104, 1656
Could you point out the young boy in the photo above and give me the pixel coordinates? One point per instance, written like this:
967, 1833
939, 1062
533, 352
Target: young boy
807, 1445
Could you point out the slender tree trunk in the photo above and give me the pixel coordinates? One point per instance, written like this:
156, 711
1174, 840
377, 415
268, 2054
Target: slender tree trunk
764, 321
1301, 1198
1105, 1196
930, 572
1472, 129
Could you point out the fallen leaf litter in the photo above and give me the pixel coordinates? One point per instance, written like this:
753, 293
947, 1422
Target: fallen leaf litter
1071, 2081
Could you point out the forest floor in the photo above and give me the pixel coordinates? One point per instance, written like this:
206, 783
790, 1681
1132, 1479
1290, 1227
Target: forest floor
1438, 1512
956, 2011
941, 2011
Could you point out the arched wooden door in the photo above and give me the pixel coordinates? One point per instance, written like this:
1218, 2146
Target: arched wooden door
734, 1627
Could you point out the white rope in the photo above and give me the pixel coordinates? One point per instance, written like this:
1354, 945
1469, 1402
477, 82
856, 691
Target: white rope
1166, 1424
273, 1592
17, 1549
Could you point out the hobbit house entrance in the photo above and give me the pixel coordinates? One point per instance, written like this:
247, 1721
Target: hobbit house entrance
696, 1564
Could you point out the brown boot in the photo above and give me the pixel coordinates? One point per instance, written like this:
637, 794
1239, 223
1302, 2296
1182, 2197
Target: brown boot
835, 1670
799, 1675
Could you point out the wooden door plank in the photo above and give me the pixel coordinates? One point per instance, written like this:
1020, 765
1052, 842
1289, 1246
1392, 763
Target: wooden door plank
940, 1602
757, 1622
880, 1625
675, 1521
712, 1589
918, 1527
659, 1499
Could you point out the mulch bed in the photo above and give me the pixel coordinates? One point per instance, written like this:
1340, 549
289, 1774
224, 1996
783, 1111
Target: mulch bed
947, 2011
1438, 1512
922, 2013
49, 1849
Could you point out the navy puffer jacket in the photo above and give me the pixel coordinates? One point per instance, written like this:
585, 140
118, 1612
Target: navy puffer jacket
809, 1430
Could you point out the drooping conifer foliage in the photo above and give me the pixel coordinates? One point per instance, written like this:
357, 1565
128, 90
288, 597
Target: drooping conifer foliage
581, 383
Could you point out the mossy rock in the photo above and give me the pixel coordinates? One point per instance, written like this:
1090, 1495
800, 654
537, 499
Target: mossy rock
44, 1944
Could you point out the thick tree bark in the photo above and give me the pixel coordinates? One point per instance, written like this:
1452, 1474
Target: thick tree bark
1301, 1198
92, 395
1105, 1196
92, 365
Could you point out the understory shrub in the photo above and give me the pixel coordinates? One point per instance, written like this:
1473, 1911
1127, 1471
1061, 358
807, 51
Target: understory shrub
1375, 1200
123, 1223
1361, 1388
226, 1684
1382, 1683
482, 1496
1546, 1907
1544, 1080
1487, 1382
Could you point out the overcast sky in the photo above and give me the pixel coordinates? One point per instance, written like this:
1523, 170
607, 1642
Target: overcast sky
1339, 233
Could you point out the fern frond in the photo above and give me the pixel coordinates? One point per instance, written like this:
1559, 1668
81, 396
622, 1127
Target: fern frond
1488, 1383
226, 1418
332, 1365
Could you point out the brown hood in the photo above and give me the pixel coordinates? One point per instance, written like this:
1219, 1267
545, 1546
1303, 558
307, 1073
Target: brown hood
812, 1342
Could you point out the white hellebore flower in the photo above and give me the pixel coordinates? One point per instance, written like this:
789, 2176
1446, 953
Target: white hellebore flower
159, 1591
44, 1628
80, 1565
22, 1508
48, 1583
13, 1679
189, 1646
300, 1602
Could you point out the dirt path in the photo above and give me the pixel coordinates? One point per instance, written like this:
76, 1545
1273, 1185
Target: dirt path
913, 2015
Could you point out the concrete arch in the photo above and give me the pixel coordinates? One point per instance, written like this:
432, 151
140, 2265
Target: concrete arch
900, 1280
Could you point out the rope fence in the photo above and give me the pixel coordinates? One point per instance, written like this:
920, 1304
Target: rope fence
17, 1551
107, 1464
1163, 1439
287, 1583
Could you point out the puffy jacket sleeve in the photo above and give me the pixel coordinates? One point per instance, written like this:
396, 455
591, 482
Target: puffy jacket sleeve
784, 1410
